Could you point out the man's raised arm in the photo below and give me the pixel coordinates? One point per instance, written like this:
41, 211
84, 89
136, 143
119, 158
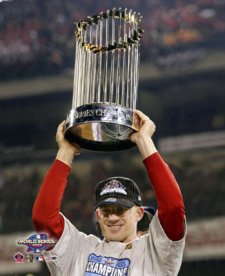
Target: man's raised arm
169, 198
46, 210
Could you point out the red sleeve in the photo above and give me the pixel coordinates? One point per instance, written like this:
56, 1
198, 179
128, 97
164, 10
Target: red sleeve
170, 202
45, 214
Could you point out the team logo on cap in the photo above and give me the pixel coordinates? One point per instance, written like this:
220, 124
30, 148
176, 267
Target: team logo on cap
113, 186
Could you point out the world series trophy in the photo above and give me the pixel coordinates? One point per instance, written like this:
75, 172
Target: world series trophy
105, 81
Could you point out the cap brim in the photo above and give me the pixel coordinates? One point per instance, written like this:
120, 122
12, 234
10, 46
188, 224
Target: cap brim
121, 202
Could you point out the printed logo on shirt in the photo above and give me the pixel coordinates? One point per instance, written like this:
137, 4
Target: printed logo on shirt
101, 265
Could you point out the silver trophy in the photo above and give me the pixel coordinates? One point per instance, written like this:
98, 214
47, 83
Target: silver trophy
105, 81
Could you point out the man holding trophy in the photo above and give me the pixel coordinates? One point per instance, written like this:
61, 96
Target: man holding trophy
109, 121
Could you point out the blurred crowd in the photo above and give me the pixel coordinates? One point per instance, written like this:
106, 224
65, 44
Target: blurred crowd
201, 186
37, 37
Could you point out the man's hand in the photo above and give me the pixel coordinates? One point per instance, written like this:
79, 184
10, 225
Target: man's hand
145, 126
66, 149
142, 138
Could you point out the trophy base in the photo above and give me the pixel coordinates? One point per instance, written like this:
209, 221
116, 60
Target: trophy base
100, 127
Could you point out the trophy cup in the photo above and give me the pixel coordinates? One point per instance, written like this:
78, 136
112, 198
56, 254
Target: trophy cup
105, 81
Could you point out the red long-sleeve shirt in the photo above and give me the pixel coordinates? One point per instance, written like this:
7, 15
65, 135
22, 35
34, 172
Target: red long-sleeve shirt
46, 211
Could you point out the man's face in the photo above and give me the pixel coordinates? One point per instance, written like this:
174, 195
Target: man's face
117, 223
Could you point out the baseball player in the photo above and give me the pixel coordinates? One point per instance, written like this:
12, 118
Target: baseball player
118, 209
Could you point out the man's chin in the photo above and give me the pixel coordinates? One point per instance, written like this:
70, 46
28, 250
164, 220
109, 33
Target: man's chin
113, 237
114, 240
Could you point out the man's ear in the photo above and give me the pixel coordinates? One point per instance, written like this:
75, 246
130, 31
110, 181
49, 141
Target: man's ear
97, 213
140, 212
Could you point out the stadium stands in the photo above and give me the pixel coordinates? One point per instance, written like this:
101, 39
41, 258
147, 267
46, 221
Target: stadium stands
37, 38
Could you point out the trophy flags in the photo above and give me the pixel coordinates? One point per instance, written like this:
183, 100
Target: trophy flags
105, 81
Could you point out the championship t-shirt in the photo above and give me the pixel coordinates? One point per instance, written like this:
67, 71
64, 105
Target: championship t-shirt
78, 254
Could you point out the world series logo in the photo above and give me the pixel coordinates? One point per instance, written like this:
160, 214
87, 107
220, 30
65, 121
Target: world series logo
36, 243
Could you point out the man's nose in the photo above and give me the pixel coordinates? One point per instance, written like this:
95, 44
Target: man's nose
113, 216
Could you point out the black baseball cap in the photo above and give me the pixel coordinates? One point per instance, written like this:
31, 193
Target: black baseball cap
118, 190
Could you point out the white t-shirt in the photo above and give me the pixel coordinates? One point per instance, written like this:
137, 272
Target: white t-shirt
78, 254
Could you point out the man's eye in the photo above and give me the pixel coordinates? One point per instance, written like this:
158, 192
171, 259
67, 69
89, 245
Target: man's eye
105, 213
121, 210
117, 211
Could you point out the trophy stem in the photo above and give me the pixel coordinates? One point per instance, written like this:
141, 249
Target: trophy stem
76, 75
105, 91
